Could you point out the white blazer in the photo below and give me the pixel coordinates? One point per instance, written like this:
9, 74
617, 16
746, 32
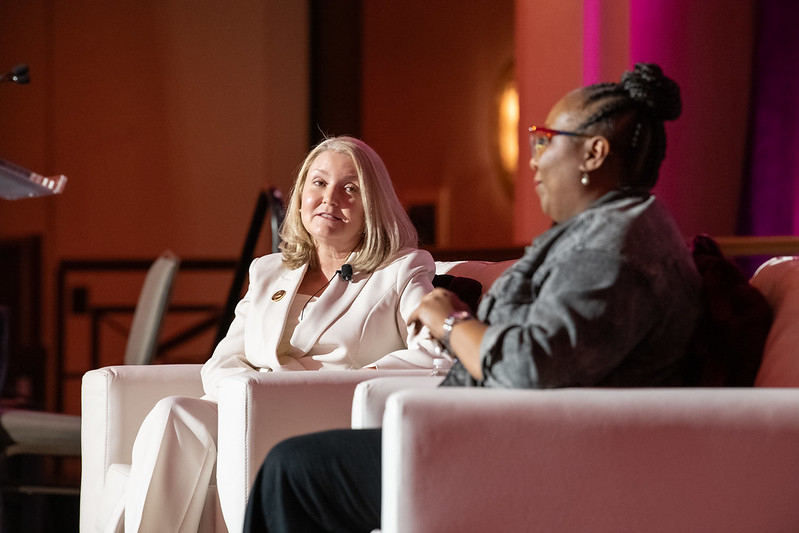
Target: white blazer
362, 322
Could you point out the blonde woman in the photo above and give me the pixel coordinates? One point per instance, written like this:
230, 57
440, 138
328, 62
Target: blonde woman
338, 296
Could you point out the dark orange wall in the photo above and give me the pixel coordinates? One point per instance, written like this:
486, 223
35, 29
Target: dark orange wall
168, 117
431, 72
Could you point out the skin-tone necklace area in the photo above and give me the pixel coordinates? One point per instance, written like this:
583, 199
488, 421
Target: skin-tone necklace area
317, 276
314, 281
320, 289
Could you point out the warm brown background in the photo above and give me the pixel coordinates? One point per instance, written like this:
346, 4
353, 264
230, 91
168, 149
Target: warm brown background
168, 117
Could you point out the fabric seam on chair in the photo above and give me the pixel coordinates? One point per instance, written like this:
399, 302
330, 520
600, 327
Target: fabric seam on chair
106, 452
247, 438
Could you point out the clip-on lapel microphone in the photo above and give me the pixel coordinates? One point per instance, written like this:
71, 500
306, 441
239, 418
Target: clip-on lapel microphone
346, 272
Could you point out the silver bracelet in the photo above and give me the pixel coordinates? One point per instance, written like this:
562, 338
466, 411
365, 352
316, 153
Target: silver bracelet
449, 323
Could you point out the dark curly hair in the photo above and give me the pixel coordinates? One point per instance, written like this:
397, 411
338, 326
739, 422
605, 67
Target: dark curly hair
631, 114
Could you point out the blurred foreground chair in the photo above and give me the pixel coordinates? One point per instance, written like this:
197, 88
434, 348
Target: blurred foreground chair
57, 434
581, 459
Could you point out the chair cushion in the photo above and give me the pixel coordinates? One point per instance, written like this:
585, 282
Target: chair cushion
484, 272
728, 345
778, 280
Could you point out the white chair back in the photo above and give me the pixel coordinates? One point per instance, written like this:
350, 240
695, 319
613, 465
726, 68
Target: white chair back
150, 310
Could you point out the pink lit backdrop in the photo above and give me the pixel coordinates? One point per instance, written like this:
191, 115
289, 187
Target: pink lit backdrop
770, 200
709, 48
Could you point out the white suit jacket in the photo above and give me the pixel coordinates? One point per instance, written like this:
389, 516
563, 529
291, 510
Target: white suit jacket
362, 321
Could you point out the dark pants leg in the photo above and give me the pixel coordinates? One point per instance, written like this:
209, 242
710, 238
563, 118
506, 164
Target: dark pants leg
328, 481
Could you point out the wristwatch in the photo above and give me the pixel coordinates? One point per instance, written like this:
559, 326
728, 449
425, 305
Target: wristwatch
454, 318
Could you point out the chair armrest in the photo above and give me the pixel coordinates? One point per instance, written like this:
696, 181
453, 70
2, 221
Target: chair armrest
114, 402
369, 398
591, 460
258, 410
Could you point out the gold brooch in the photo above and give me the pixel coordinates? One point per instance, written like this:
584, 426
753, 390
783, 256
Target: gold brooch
278, 295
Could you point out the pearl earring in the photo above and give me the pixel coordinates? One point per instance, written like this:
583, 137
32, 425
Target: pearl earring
585, 180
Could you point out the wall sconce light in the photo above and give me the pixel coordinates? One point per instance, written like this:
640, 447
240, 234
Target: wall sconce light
507, 128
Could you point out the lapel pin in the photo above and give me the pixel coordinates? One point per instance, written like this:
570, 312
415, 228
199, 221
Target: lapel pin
278, 295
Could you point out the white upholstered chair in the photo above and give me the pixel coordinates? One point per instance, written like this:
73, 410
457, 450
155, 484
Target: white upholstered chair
255, 412
678, 459
151, 307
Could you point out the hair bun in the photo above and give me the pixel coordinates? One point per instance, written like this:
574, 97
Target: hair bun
648, 86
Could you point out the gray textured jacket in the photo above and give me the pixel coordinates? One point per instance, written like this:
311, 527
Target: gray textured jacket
608, 298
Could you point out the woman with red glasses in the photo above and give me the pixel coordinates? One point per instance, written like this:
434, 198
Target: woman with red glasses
609, 296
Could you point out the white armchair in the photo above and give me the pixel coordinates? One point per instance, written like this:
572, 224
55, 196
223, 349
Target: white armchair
591, 460
255, 412
678, 459
115, 401
370, 397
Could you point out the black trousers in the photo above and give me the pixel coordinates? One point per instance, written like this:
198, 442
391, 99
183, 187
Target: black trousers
328, 481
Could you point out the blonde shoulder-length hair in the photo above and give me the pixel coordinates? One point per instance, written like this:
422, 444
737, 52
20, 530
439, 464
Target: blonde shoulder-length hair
387, 228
